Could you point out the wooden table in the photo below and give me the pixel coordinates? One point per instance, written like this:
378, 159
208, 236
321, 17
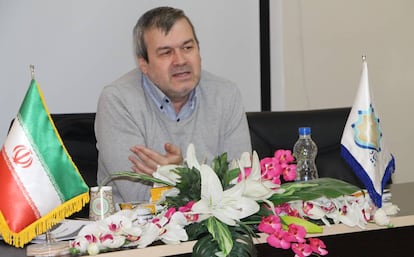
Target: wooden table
341, 240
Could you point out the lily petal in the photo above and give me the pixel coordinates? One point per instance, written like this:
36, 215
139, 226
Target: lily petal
257, 190
191, 158
166, 173
211, 188
256, 173
245, 160
228, 206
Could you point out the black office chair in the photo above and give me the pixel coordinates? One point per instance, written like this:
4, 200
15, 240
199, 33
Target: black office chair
78, 135
270, 131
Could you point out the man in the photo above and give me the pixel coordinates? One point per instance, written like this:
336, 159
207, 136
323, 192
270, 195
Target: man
149, 116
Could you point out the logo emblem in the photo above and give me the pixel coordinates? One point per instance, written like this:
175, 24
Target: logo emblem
22, 156
367, 130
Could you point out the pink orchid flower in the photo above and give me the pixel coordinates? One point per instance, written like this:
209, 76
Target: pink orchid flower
187, 207
284, 156
286, 208
318, 246
301, 249
276, 180
114, 227
91, 238
288, 171
270, 168
186, 210
170, 212
270, 224
298, 232
280, 239
106, 237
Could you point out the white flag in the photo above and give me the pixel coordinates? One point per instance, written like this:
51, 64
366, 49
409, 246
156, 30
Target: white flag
362, 144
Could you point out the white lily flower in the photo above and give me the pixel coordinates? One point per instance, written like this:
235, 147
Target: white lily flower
166, 173
244, 161
255, 188
191, 157
228, 206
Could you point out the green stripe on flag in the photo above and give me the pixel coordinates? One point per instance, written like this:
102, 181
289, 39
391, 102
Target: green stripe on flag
36, 122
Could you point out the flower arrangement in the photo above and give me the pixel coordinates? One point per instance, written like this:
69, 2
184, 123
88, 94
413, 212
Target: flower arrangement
225, 205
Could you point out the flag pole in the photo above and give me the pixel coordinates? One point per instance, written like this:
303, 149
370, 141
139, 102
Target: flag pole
32, 71
48, 237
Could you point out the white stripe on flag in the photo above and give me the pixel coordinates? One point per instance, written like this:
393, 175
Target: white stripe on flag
30, 170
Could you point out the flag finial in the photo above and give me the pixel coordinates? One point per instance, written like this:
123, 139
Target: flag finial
364, 57
32, 71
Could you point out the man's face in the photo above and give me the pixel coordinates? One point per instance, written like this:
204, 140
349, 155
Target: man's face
174, 62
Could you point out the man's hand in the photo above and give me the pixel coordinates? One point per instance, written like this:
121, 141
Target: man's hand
147, 160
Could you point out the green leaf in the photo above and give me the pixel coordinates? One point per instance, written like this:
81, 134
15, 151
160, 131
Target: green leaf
221, 234
189, 186
205, 246
220, 165
229, 176
310, 190
309, 226
196, 230
243, 246
133, 176
242, 237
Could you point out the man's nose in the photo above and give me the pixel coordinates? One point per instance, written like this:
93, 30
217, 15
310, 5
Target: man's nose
179, 57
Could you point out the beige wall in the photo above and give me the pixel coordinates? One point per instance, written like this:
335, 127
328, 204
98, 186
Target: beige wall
323, 41
80, 46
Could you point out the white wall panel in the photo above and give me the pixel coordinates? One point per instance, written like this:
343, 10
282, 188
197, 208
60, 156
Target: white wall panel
80, 46
323, 42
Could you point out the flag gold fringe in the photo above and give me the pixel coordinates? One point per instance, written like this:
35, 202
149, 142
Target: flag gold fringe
43, 224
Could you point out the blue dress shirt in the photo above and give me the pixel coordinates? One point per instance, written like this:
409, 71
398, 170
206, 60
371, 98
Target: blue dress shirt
164, 104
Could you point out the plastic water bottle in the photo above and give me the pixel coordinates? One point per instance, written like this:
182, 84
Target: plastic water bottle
305, 151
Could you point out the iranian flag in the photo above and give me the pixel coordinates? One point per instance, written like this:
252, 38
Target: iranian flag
39, 183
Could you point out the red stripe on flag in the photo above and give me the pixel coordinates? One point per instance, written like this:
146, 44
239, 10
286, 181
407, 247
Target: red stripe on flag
15, 207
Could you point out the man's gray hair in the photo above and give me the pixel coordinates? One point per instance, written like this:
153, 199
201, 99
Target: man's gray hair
162, 18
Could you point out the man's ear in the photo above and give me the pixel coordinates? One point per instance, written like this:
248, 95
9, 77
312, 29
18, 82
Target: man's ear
143, 65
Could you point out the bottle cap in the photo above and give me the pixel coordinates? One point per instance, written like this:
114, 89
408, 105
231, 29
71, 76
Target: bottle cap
304, 131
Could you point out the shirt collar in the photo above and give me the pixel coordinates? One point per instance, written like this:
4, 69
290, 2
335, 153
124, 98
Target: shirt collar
163, 103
